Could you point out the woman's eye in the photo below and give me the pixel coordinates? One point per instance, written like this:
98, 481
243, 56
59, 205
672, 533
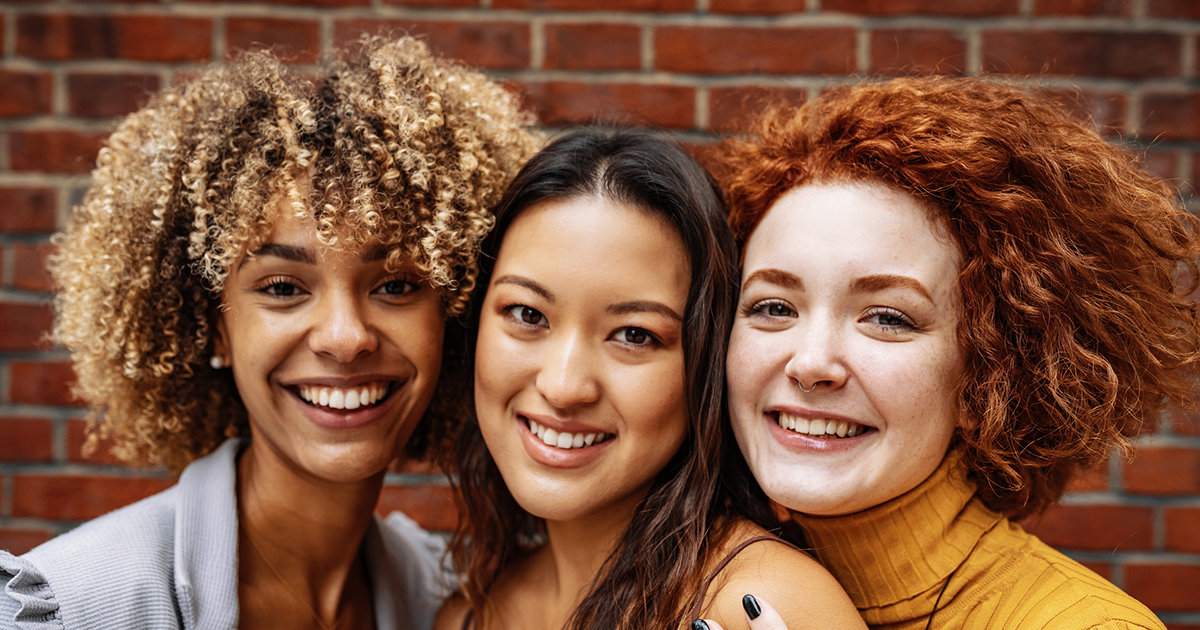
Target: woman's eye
280, 288
890, 320
634, 336
397, 287
771, 308
526, 315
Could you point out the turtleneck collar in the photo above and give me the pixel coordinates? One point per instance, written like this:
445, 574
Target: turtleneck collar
903, 550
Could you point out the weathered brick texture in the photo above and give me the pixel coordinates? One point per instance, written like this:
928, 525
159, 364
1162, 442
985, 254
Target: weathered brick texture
698, 68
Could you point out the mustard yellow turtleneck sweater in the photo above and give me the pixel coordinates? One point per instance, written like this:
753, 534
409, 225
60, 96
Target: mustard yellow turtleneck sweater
894, 558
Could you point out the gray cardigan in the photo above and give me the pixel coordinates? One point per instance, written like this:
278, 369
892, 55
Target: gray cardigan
170, 561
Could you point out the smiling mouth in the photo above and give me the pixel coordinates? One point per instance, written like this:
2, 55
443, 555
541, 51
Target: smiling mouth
564, 440
819, 427
346, 398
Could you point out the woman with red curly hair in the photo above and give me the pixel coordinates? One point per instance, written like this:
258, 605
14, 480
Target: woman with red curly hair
954, 297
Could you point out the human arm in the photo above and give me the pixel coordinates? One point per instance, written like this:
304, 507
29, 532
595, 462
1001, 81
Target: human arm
759, 616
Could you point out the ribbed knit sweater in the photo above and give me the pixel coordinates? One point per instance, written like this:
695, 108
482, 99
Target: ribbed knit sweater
895, 558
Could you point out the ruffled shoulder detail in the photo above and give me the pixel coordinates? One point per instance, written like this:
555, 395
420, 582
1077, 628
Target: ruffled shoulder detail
27, 603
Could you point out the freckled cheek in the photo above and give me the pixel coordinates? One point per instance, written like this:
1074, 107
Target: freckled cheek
750, 365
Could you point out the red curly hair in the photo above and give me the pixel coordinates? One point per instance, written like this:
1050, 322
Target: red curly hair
1076, 262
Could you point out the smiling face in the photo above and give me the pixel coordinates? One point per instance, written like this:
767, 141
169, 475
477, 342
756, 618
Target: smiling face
579, 360
850, 292
334, 356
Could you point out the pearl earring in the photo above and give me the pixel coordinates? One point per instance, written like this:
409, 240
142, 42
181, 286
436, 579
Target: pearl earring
216, 362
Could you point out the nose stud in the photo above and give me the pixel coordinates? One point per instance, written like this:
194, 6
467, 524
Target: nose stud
806, 391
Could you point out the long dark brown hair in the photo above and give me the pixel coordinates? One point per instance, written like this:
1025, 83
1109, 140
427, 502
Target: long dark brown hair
647, 579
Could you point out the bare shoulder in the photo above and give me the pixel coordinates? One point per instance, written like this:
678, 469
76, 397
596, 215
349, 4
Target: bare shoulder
452, 613
795, 584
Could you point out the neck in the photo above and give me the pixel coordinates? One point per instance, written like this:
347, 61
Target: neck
308, 529
576, 550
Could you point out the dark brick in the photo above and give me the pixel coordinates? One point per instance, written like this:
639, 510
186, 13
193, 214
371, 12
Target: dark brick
1170, 116
758, 7
295, 40
42, 382
899, 52
1083, 53
107, 95
649, 6
54, 151
746, 50
1095, 527
26, 439
431, 506
61, 37
1164, 471
18, 541
593, 47
24, 93
78, 497
29, 266
1091, 8
1106, 111
25, 326
974, 8
500, 45
1187, 9
734, 109
570, 103
28, 210
1163, 587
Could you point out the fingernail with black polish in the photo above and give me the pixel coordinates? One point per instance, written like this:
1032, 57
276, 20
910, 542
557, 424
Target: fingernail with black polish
752, 608
699, 625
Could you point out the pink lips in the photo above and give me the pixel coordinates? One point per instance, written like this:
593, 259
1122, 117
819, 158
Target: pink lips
553, 457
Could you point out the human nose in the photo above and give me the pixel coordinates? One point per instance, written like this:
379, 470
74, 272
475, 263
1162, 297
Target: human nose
341, 331
567, 376
819, 359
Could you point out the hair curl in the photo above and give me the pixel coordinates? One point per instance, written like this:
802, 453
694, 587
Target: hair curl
1073, 328
398, 146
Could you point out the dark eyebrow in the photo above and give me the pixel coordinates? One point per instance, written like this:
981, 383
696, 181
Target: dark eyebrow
643, 306
528, 284
286, 252
372, 254
779, 277
868, 284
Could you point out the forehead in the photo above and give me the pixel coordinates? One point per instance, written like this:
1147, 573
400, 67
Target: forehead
854, 228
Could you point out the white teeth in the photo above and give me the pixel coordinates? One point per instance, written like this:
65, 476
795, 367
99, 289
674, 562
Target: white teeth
565, 441
819, 427
336, 398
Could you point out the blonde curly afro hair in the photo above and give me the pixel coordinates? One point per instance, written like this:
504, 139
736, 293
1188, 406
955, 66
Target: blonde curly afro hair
398, 146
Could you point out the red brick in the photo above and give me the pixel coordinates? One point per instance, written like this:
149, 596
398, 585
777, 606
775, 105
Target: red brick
1094, 8
106, 95
593, 47
59, 37
332, 4
24, 93
1188, 9
1170, 116
1094, 527
570, 103
500, 45
29, 266
1163, 587
431, 506
652, 6
78, 497
746, 50
295, 40
42, 382
434, 4
26, 440
1106, 111
1164, 471
54, 151
1186, 422
899, 51
28, 210
77, 437
1092, 480
734, 109
758, 7
1183, 529
24, 326
19, 541
1103, 569
1082, 53
923, 7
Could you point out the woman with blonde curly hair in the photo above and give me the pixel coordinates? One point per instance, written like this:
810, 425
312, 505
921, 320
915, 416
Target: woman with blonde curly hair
954, 297
255, 291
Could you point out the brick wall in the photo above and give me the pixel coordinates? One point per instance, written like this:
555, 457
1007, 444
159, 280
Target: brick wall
69, 69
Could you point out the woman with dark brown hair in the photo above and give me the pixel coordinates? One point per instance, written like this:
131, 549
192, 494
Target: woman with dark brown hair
590, 471
954, 297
